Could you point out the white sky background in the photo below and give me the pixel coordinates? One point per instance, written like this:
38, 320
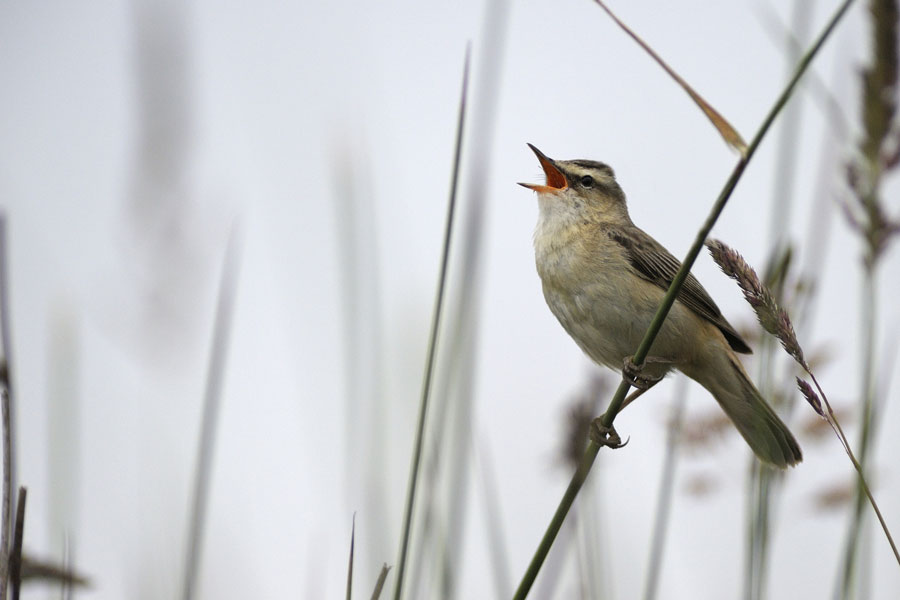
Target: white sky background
279, 107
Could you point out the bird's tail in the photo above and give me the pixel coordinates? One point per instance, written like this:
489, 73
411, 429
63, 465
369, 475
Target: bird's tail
764, 431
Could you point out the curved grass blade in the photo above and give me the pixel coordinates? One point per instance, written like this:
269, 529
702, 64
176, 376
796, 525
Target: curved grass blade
728, 133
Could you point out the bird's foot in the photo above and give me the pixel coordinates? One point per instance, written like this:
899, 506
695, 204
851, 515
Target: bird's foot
634, 375
605, 436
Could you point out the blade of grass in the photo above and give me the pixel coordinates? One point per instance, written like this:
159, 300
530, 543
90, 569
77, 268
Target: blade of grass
6, 389
432, 342
379, 584
211, 403
728, 133
5, 525
615, 404
15, 555
350, 563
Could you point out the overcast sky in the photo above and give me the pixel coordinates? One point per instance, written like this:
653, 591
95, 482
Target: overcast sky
134, 136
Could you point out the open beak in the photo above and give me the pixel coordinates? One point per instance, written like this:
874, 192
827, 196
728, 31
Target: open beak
556, 181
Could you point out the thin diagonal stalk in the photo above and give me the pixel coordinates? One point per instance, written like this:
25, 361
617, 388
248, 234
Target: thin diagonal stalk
836, 426
615, 404
209, 425
432, 341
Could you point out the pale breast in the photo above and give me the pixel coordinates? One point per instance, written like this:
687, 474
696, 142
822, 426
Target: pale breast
603, 304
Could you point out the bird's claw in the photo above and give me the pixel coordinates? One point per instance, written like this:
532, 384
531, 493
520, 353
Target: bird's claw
605, 436
633, 374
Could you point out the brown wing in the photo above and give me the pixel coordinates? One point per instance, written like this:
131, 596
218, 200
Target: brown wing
655, 264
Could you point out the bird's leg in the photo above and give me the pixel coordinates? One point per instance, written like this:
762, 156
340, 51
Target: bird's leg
634, 375
605, 436
636, 394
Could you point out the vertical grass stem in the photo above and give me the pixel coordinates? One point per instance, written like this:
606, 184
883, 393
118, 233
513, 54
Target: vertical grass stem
432, 343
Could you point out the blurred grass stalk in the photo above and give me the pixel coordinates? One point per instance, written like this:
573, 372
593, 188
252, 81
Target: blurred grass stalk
761, 480
7, 400
493, 518
459, 367
365, 402
878, 153
448, 454
640, 354
212, 401
666, 490
428, 377
64, 465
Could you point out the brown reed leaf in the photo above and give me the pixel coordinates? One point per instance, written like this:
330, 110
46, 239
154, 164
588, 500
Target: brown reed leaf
728, 133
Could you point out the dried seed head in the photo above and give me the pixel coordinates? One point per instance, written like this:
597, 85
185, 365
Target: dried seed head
771, 316
811, 396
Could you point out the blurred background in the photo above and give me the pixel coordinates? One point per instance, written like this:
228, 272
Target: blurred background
137, 138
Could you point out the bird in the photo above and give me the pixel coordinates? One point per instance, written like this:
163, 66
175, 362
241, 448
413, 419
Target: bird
604, 279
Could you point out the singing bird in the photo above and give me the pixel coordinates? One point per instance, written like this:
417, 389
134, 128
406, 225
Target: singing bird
604, 279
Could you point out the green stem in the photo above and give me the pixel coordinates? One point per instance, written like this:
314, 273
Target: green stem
615, 404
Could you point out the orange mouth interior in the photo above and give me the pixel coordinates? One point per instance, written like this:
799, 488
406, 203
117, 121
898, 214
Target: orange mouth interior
555, 178
556, 181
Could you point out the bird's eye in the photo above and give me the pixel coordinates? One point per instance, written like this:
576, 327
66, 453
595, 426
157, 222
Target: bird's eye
587, 181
